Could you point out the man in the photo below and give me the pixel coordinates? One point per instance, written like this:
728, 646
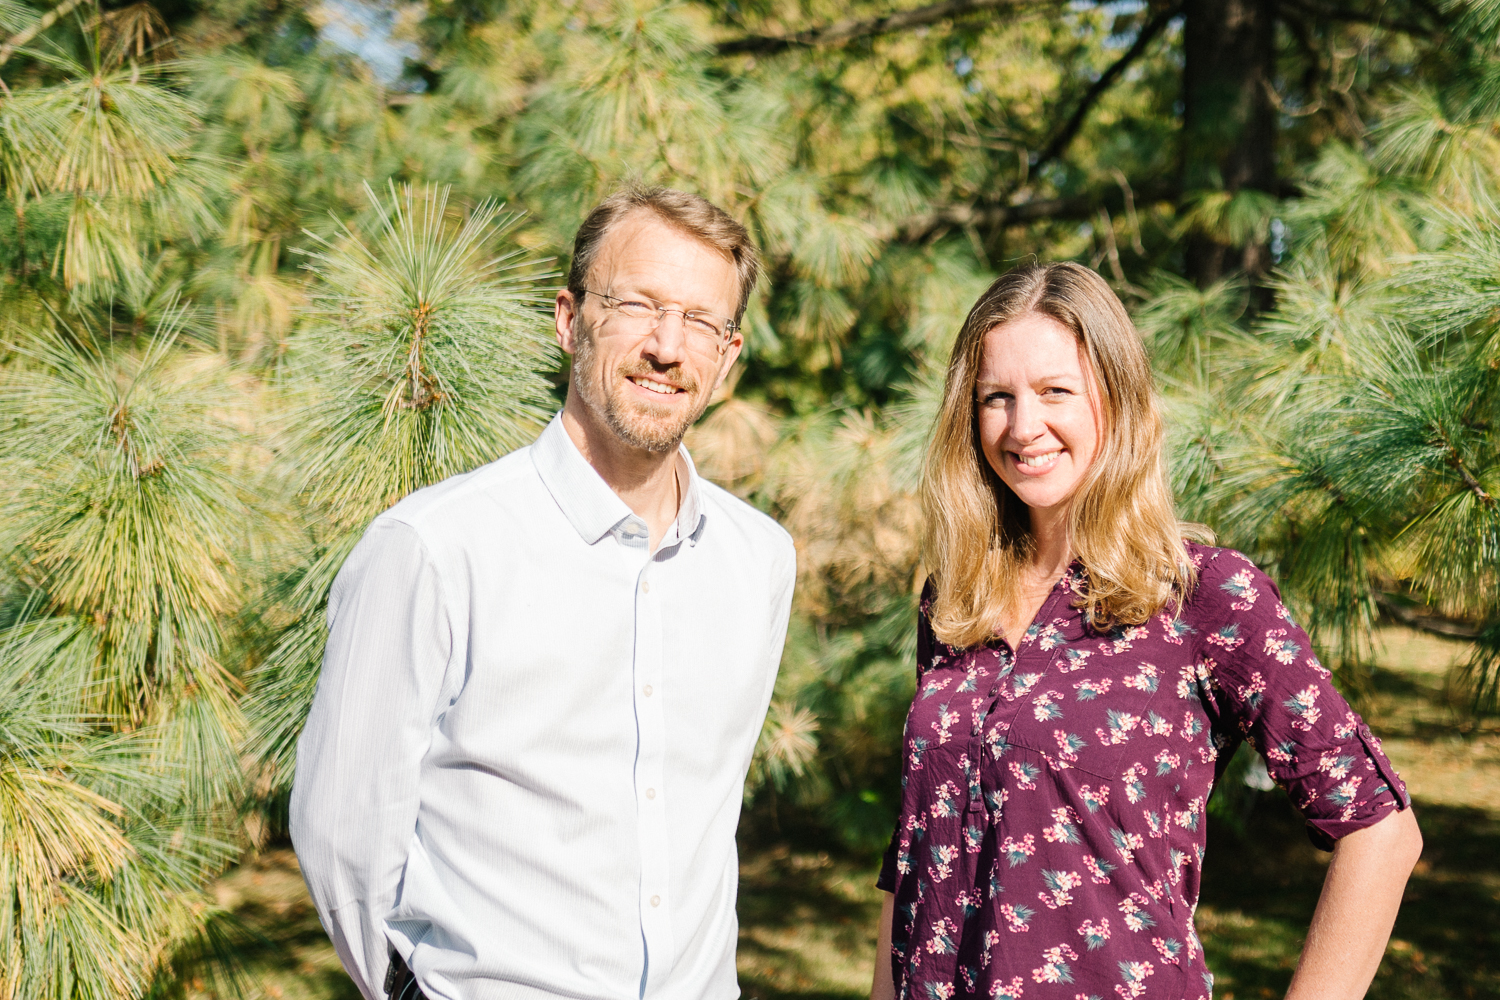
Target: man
545, 678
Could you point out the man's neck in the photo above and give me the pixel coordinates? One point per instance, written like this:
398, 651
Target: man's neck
647, 481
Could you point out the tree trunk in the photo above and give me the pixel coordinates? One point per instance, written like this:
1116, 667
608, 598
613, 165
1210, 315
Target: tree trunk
1229, 122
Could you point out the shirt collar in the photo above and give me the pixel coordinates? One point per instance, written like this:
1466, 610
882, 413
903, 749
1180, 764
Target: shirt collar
586, 499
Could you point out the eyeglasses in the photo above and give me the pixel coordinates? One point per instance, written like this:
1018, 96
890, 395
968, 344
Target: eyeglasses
704, 330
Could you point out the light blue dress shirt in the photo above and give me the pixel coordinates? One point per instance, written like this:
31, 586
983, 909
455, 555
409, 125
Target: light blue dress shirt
524, 763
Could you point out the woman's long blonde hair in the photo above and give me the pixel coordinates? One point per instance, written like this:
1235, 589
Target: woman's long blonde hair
1123, 528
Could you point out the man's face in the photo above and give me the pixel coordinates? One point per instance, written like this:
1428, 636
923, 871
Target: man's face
647, 383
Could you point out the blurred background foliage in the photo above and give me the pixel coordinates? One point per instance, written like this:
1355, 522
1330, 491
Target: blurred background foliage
268, 265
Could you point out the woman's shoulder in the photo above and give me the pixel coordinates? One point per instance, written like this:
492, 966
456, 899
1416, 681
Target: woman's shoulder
1229, 585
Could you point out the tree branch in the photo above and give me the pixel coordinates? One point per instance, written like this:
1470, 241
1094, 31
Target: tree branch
1412, 617
996, 216
1070, 129
44, 22
847, 31
1331, 13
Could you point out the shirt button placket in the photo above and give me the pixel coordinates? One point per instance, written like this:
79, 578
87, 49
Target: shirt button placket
651, 802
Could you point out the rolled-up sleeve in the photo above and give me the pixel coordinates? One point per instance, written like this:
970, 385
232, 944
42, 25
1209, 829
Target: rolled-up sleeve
354, 800
1269, 687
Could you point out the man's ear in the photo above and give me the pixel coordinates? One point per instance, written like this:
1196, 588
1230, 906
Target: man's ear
564, 317
731, 354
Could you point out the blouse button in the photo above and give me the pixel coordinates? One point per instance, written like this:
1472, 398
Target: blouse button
645, 586
646, 690
655, 900
650, 793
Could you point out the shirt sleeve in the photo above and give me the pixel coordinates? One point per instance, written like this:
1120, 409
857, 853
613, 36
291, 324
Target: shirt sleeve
887, 877
354, 799
1267, 686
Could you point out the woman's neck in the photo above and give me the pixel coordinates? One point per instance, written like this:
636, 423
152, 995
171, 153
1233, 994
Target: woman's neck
1053, 548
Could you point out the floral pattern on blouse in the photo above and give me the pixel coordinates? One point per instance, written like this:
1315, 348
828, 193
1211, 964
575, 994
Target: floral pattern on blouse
1050, 841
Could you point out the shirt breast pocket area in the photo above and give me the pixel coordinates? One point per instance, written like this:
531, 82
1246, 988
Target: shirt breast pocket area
1086, 714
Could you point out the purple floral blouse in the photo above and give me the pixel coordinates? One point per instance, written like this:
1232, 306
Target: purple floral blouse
1051, 835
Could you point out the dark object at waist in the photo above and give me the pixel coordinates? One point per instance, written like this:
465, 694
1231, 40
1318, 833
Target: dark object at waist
400, 983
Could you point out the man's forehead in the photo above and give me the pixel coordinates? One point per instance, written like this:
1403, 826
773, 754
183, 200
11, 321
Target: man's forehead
644, 249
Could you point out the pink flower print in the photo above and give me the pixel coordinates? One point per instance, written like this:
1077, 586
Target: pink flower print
1127, 843
995, 803
1064, 827
917, 824
1094, 799
1061, 885
971, 680
1018, 851
945, 720
1179, 860
1122, 639
1228, 637
1166, 763
947, 792
1068, 744
1154, 822
1134, 909
1073, 659
1312, 664
1155, 725
1025, 774
1134, 974
973, 839
1144, 679
1280, 754
1334, 765
918, 747
1054, 969
943, 856
934, 685
1174, 630
991, 939
1017, 918
1045, 707
941, 941
1343, 795
1098, 869
1191, 725
997, 743
1208, 754
1089, 690
1135, 788
1094, 935
1168, 948
1284, 650
1347, 728
1252, 693
1188, 818
1120, 725
1192, 679
1303, 706
1002, 991
1021, 685
1050, 637
1239, 586
939, 991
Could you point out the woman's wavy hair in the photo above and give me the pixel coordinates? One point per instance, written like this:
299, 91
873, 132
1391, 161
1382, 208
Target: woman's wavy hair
1123, 527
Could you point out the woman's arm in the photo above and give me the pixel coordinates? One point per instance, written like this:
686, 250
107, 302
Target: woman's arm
1356, 910
884, 988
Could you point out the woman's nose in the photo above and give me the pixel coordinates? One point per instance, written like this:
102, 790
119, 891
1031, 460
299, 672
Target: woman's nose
1025, 418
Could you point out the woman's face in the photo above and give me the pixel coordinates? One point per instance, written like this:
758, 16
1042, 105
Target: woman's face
1038, 410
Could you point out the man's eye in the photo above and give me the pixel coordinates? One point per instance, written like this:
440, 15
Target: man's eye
631, 307
700, 324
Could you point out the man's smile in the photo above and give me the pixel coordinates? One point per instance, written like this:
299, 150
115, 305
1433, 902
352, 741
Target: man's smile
663, 388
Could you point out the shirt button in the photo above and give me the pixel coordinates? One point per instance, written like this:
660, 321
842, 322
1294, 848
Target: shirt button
645, 586
646, 690
650, 793
655, 900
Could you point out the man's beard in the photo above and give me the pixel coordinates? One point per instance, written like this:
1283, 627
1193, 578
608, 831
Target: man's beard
639, 425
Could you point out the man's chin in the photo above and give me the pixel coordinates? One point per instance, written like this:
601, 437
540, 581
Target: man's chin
651, 431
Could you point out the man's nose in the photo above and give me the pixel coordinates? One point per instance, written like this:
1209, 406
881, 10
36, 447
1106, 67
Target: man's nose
667, 343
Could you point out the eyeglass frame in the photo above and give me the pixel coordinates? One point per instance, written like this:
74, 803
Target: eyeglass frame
731, 327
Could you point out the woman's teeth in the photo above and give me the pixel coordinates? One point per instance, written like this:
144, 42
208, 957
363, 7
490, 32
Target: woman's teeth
661, 387
1037, 461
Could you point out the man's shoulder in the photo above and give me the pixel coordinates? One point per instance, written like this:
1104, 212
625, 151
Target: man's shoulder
755, 527
459, 502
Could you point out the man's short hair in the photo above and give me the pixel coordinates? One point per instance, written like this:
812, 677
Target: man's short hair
697, 217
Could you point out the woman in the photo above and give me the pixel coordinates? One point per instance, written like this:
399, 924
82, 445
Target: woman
1084, 675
